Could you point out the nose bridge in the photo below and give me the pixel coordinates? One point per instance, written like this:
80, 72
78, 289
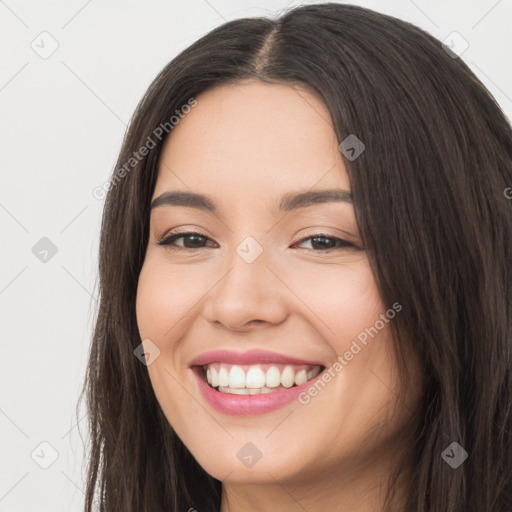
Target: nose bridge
247, 278
249, 290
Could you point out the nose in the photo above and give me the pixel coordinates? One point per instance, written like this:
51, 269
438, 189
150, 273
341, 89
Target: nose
248, 296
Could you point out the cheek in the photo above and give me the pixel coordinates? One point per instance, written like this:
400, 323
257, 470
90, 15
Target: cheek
163, 299
339, 301
342, 300
166, 294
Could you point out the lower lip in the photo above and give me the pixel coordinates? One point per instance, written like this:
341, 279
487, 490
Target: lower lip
244, 405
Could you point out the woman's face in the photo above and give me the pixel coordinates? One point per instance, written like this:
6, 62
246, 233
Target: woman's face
271, 271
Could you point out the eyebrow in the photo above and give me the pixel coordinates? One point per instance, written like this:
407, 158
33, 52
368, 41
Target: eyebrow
289, 201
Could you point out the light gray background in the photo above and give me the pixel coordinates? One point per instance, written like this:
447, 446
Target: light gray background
62, 119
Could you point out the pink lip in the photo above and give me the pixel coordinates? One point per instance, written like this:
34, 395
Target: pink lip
245, 405
250, 357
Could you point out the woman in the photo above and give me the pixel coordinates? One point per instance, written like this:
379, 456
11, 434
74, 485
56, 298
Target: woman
305, 278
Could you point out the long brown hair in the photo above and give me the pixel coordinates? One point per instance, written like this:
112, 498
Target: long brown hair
428, 192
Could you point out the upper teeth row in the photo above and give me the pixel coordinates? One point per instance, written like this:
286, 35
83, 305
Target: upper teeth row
255, 377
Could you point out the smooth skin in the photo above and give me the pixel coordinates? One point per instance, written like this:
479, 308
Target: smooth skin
245, 146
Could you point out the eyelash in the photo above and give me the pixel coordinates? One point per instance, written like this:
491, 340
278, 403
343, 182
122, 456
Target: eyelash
168, 240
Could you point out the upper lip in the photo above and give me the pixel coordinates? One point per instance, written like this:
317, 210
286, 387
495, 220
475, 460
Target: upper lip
249, 357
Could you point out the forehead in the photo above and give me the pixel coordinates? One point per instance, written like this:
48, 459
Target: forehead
252, 138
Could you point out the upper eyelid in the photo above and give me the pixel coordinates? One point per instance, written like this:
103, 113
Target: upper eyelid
320, 232
183, 234
300, 239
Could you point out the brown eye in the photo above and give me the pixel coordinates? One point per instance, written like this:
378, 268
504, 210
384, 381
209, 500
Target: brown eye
190, 241
324, 243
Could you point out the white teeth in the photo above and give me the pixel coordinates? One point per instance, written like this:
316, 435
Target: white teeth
255, 378
223, 377
236, 377
273, 378
301, 377
237, 391
288, 377
247, 391
256, 381
214, 376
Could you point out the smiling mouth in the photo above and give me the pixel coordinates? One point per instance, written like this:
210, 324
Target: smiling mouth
256, 379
